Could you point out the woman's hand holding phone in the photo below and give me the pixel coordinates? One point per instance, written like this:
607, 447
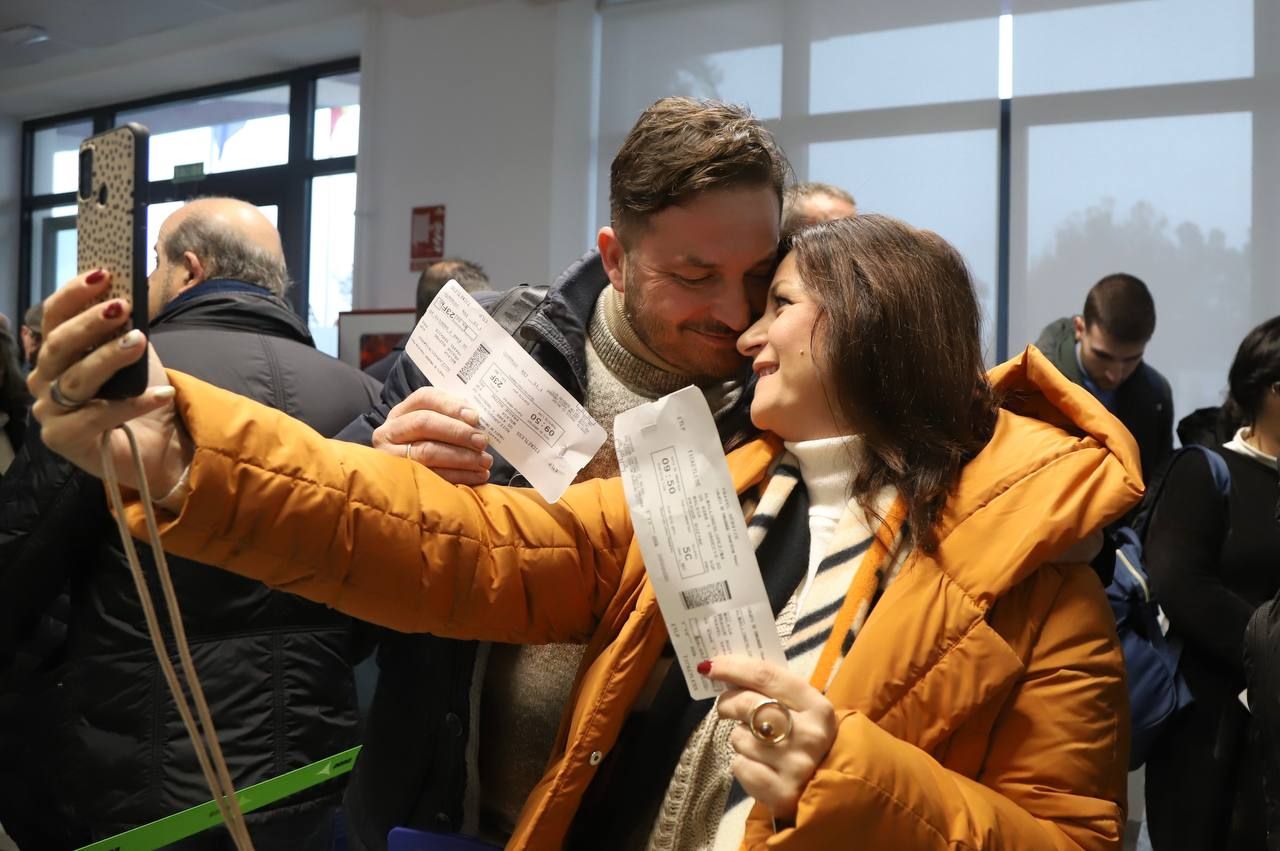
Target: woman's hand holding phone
81, 352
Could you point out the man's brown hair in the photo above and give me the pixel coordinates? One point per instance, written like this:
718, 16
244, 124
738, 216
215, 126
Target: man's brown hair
681, 146
1121, 305
903, 355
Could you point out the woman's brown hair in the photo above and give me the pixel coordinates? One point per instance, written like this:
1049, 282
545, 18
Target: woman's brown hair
904, 355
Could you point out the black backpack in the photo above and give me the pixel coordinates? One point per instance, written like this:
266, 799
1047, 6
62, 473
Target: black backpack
1156, 689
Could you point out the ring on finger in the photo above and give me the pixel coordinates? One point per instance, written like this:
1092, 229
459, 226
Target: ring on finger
765, 730
408, 450
61, 399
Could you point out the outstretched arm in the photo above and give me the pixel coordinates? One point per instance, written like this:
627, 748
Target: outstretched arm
371, 534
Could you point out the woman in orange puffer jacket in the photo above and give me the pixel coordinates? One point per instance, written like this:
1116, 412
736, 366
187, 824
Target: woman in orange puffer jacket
958, 686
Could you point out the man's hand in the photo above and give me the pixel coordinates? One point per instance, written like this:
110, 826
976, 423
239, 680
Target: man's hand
80, 353
438, 431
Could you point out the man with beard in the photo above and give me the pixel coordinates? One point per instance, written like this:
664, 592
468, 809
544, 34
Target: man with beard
459, 732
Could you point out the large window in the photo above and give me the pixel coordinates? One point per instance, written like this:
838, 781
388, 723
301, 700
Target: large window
1052, 143
894, 101
286, 143
1144, 140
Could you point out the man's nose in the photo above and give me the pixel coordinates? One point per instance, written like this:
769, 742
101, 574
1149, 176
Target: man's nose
732, 308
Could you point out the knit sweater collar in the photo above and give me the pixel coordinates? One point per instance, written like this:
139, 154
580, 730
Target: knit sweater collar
827, 466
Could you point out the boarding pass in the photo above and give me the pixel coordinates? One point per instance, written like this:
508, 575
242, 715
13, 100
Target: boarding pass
528, 417
692, 535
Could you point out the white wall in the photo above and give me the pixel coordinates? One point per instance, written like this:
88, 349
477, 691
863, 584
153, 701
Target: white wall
487, 110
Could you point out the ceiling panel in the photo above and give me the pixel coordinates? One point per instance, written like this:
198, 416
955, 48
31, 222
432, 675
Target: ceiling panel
76, 25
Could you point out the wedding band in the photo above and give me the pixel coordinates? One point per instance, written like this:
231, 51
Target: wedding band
764, 730
408, 449
61, 400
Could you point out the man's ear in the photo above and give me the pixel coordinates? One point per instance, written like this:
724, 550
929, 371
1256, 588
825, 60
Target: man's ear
193, 273
612, 255
1078, 322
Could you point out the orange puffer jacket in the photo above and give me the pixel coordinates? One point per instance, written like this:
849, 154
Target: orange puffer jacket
982, 706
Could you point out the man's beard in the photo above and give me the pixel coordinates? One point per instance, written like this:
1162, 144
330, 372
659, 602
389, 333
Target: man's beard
651, 331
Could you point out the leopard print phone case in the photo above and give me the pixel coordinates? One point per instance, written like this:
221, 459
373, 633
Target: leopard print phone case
111, 230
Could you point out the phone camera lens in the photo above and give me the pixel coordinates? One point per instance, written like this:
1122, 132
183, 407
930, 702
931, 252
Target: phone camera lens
86, 174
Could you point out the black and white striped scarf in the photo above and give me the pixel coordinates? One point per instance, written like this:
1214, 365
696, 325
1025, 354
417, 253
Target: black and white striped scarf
703, 807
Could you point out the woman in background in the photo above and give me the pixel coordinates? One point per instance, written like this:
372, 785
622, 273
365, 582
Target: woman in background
1212, 564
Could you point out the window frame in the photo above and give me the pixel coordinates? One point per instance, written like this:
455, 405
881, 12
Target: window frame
289, 184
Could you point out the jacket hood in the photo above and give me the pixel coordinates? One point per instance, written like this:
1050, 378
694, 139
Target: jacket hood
235, 306
1058, 467
1057, 342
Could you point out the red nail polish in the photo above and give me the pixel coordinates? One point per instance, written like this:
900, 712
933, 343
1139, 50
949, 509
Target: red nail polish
113, 311
96, 277
704, 667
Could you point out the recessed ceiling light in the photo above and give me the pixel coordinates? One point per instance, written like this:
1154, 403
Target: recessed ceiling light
23, 35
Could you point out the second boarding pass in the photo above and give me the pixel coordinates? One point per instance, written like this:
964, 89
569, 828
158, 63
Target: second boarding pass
693, 536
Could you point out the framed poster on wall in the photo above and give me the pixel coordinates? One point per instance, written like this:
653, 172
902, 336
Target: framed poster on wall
367, 336
426, 237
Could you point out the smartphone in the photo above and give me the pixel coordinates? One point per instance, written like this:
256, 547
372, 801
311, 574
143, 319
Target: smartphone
111, 231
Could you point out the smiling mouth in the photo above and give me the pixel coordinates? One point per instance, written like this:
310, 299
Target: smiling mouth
767, 369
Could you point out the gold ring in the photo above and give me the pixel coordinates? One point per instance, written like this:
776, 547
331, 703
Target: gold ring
61, 399
764, 730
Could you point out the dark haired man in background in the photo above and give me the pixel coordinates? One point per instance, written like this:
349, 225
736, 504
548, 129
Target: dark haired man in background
433, 278
1102, 351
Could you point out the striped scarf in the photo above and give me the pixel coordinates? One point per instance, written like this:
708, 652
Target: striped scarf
704, 808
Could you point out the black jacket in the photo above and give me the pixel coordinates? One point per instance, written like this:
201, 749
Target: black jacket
1262, 673
275, 668
1144, 402
1211, 566
1262, 669
412, 771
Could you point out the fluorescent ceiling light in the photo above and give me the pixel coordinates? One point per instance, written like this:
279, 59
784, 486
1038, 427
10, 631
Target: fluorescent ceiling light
23, 35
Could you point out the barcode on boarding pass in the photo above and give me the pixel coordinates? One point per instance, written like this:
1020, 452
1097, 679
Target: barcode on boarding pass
473, 364
716, 592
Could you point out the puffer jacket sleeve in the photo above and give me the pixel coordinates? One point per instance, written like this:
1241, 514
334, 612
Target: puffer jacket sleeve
1053, 776
386, 540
